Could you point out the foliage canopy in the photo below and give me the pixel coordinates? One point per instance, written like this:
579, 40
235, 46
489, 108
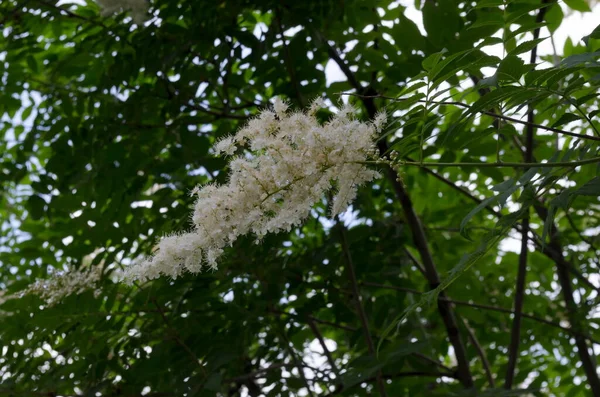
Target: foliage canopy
426, 287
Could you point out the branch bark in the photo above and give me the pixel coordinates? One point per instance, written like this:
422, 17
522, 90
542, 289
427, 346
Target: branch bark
419, 237
484, 360
515, 334
326, 351
359, 307
554, 250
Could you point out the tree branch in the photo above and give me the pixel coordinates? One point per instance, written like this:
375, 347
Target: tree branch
554, 250
298, 362
487, 113
592, 160
484, 360
515, 335
491, 308
359, 307
324, 322
326, 352
444, 308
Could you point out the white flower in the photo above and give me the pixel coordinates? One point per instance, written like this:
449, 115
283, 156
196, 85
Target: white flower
293, 161
226, 146
380, 120
62, 284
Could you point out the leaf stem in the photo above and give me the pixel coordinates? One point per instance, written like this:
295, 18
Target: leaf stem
592, 160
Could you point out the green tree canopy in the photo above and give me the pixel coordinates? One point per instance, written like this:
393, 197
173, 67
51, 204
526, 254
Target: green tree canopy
468, 267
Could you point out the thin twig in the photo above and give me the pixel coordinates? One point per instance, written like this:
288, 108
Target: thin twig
298, 362
315, 330
324, 322
415, 261
484, 360
558, 164
359, 307
218, 115
489, 307
488, 113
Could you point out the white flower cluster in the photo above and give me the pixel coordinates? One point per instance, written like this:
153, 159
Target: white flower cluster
138, 8
292, 161
62, 284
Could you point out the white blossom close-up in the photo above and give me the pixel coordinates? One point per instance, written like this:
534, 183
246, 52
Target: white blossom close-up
138, 8
63, 284
290, 160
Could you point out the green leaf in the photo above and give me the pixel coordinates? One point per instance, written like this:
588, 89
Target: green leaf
581, 59
554, 17
578, 5
213, 383
36, 207
526, 46
489, 3
565, 119
594, 35
499, 198
511, 68
32, 63
441, 20
431, 61
494, 18
375, 59
590, 188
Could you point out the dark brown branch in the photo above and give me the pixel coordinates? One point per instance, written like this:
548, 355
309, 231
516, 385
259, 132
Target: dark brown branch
444, 308
298, 362
359, 307
515, 335
333, 54
548, 251
313, 327
434, 362
432, 276
562, 266
324, 322
484, 360
415, 261
554, 250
